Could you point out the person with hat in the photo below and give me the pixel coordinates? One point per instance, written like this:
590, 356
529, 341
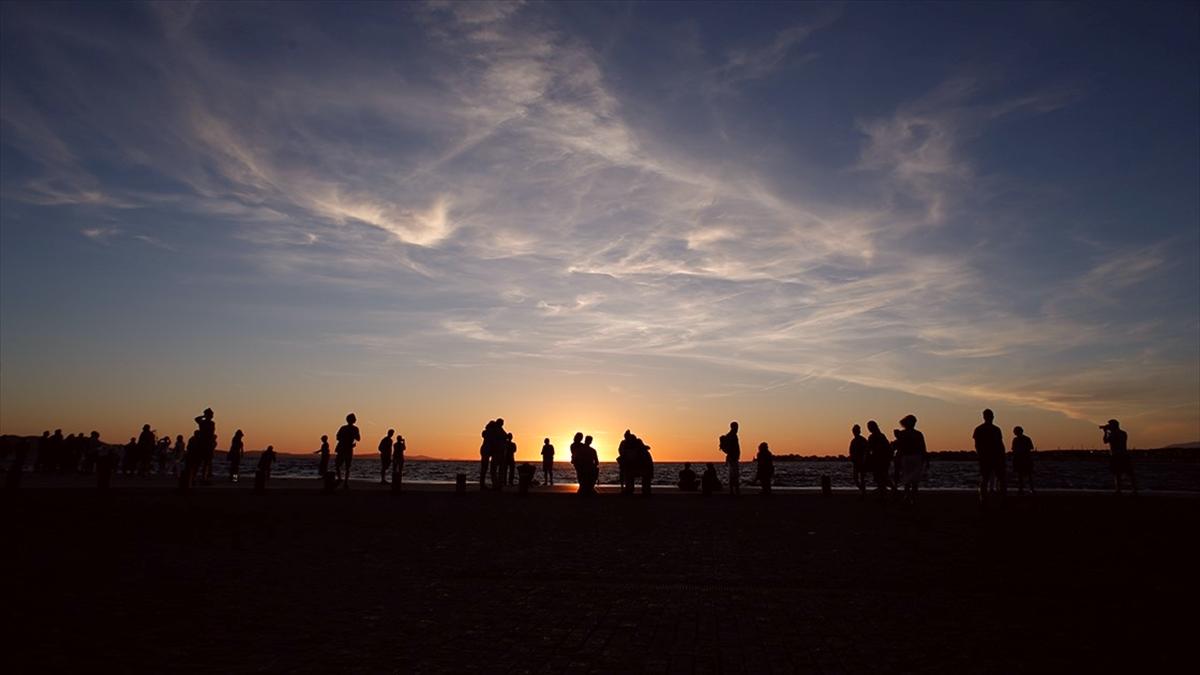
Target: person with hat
1119, 461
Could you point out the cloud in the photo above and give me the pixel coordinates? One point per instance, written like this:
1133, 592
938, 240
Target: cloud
485, 184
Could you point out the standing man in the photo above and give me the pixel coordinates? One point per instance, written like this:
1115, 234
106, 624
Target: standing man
733, 455
145, 451
547, 462
347, 436
1120, 462
858, 460
989, 445
385, 456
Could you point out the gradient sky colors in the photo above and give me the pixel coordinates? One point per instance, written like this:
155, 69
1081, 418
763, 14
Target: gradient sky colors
600, 216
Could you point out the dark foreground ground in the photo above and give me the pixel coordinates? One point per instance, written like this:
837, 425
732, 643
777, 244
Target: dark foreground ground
294, 581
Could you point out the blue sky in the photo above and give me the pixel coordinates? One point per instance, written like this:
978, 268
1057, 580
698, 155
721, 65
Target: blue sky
800, 214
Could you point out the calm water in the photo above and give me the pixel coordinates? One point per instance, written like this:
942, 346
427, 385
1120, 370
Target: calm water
1089, 474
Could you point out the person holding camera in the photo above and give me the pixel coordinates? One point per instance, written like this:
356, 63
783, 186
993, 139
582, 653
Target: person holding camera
1119, 460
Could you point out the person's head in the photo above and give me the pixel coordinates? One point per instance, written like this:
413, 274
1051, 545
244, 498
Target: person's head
628, 434
500, 421
509, 435
238, 433
988, 415
58, 432
578, 436
909, 422
324, 438
762, 447
545, 441
587, 440
96, 434
1112, 425
179, 438
856, 430
208, 413
45, 433
1018, 431
132, 440
270, 448
145, 427
351, 418
733, 426
873, 426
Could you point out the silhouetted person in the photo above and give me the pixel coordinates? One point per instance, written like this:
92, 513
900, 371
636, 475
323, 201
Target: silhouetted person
206, 428
688, 481
547, 462
626, 463
323, 462
191, 461
914, 459
265, 461
710, 483
525, 474
859, 459
644, 463
591, 462
1119, 460
346, 437
733, 456
989, 445
398, 449
577, 460
485, 454
237, 447
495, 447
766, 467
1022, 453
510, 458
178, 453
145, 450
162, 454
385, 455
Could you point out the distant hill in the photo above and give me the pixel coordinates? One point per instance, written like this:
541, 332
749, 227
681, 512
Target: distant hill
1194, 445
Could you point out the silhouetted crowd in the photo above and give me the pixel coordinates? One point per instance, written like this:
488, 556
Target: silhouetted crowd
894, 466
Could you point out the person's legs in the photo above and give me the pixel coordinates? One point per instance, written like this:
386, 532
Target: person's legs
483, 470
1001, 474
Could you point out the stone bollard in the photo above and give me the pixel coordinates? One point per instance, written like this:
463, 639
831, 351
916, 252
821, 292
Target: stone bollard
826, 486
460, 483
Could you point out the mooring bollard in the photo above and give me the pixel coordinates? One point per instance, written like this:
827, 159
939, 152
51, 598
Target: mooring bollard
826, 486
460, 483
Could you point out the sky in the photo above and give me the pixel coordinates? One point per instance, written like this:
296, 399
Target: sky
595, 217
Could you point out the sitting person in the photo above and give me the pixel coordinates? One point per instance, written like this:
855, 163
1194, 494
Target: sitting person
525, 474
687, 479
709, 483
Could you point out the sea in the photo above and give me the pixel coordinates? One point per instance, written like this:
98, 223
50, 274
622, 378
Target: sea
1074, 474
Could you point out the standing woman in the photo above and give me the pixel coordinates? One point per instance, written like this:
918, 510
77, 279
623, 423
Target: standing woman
591, 462
236, 448
766, 467
914, 460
